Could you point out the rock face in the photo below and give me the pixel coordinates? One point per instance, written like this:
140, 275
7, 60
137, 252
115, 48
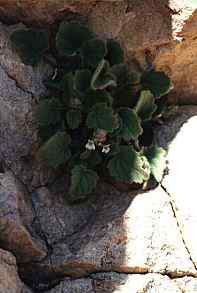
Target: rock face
114, 242
20, 87
181, 65
113, 236
117, 236
16, 218
119, 283
145, 39
181, 181
9, 279
42, 12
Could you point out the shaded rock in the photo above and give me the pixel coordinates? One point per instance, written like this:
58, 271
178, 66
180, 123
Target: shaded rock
119, 283
41, 12
109, 233
9, 279
20, 87
16, 218
180, 183
144, 38
27, 78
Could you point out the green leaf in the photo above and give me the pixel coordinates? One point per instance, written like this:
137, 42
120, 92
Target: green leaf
70, 38
115, 53
131, 127
129, 166
93, 97
63, 84
146, 106
30, 44
92, 158
55, 151
56, 84
102, 78
93, 51
82, 80
45, 132
157, 82
102, 117
48, 112
157, 159
121, 72
73, 118
83, 182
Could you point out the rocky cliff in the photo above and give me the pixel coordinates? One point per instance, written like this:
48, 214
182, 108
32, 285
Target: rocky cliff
115, 242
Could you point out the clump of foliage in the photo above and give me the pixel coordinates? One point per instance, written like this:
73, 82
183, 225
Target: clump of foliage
98, 120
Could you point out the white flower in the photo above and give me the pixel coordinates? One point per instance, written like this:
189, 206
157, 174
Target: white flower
106, 149
90, 145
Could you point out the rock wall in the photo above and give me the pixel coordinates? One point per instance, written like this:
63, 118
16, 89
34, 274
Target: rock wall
149, 31
115, 242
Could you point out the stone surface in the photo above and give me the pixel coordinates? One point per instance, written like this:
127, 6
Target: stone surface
179, 61
190, 28
9, 279
187, 284
141, 236
123, 19
16, 218
20, 88
41, 12
110, 233
181, 181
119, 283
181, 65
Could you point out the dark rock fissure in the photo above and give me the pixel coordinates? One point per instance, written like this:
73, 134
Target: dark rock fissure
178, 225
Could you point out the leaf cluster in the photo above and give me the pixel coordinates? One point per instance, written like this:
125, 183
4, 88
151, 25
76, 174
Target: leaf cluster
100, 113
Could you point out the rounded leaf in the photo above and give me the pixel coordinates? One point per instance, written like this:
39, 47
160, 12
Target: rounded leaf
157, 82
30, 44
73, 118
102, 77
102, 117
129, 166
93, 97
131, 126
115, 54
83, 182
93, 51
70, 38
48, 112
146, 106
157, 159
55, 151
82, 80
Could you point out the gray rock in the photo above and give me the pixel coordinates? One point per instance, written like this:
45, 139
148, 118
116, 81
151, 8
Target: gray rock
187, 284
119, 283
16, 218
111, 233
20, 87
180, 183
9, 279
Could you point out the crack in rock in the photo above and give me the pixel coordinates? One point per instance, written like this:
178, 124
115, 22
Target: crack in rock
173, 206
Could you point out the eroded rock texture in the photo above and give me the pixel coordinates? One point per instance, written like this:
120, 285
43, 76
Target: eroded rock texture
9, 279
20, 88
153, 36
181, 181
